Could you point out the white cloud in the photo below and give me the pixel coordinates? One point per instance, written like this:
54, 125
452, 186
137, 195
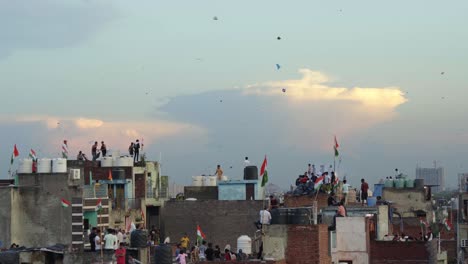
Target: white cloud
88, 123
313, 87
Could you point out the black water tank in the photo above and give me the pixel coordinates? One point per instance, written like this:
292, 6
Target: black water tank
163, 254
279, 216
251, 173
299, 216
139, 238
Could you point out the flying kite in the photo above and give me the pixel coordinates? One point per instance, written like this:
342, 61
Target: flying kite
278, 38
278, 66
215, 18
284, 90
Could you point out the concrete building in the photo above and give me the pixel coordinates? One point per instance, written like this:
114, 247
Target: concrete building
463, 182
432, 176
32, 214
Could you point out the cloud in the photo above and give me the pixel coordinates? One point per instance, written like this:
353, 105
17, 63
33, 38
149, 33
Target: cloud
49, 23
80, 131
313, 87
85, 123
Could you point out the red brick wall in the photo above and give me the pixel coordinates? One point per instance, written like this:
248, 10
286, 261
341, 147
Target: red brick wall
305, 200
308, 244
383, 252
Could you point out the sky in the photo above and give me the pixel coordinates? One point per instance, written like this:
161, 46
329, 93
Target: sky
197, 82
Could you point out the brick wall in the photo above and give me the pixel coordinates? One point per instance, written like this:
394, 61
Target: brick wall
383, 252
221, 221
308, 244
306, 200
451, 247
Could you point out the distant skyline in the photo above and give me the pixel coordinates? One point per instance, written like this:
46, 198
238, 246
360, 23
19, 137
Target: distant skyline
388, 79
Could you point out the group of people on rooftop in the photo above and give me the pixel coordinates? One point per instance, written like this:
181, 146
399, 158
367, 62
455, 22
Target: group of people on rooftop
133, 151
204, 252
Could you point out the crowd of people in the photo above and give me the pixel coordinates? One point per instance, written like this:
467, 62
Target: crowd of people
133, 151
204, 251
116, 240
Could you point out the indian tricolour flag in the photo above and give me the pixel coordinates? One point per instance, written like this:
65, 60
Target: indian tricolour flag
65, 203
32, 154
319, 181
264, 172
447, 224
99, 204
200, 235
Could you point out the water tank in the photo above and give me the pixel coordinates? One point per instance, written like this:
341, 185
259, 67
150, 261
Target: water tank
224, 178
419, 183
245, 243
107, 161
163, 254
123, 162
388, 183
113, 153
399, 183
409, 183
378, 189
371, 201
210, 181
197, 180
299, 216
44, 166
59, 165
25, 166
251, 173
279, 216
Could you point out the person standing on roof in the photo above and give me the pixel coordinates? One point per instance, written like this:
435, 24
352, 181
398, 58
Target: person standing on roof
246, 162
219, 172
103, 149
136, 148
364, 189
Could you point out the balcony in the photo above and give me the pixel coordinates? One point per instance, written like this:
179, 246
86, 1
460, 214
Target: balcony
125, 204
95, 191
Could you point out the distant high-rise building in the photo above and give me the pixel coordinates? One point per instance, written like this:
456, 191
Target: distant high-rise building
463, 182
432, 176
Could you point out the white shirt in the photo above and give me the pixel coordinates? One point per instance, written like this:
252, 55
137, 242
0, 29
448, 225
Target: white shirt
265, 217
327, 179
346, 188
246, 163
97, 242
110, 241
120, 238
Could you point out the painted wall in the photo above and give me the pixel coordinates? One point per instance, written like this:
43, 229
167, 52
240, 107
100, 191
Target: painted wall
406, 201
236, 190
221, 221
351, 240
39, 218
5, 216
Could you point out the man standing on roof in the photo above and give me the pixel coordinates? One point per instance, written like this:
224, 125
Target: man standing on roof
219, 172
136, 148
364, 189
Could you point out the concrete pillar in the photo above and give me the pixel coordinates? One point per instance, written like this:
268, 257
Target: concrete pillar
382, 221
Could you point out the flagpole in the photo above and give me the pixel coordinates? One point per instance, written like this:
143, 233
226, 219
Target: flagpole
100, 234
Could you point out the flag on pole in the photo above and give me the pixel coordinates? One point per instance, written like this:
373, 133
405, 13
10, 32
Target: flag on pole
335, 147
447, 224
109, 177
14, 154
65, 150
200, 235
319, 181
65, 203
99, 204
336, 182
264, 172
32, 154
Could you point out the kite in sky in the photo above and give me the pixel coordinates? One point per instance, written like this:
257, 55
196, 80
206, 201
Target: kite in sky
278, 66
